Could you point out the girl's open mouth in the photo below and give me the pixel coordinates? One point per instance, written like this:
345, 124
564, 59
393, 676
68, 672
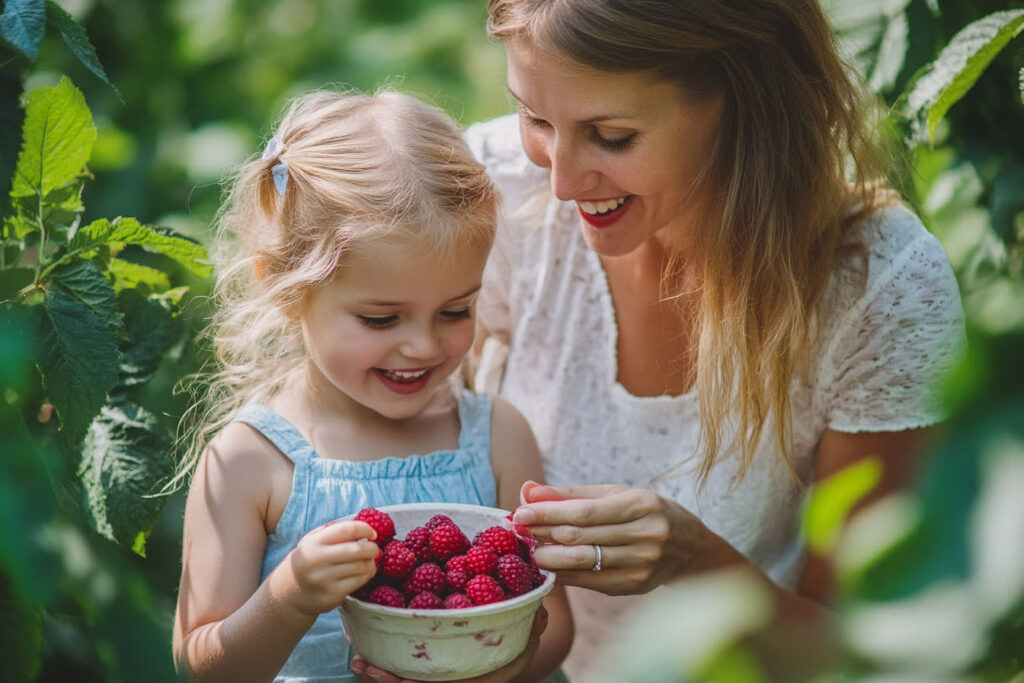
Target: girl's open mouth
404, 381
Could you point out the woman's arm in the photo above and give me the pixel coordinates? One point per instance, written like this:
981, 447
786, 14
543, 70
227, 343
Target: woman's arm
228, 626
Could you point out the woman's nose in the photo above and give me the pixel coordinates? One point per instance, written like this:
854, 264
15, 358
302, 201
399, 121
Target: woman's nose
571, 174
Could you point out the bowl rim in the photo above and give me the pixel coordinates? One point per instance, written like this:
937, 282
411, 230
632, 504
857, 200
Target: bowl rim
464, 612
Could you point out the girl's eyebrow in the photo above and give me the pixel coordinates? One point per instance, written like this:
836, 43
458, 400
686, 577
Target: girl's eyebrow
381, 302
586, 122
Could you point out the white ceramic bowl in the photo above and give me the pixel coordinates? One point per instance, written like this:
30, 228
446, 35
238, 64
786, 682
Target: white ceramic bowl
442, 644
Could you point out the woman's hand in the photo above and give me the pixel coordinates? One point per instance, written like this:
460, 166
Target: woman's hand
368, 673
645, 540
328, 564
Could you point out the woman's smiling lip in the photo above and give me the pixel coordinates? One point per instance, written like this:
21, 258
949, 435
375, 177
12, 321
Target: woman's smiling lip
605, 219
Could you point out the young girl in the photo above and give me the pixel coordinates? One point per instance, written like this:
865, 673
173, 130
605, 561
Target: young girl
350, 257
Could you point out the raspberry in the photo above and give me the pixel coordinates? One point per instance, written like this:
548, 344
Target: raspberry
419, 541
457, 601
457, 579
447, 540
515, 574
538, 576
425, 600
457, 563
388, 596
438, 520
426, 577
398, 560
502, 541
481, 560
381, 522
483, 590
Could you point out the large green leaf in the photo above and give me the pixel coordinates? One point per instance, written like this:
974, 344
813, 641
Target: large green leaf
128, 274
61, 209
153, 327
122, 231
942, 83
125, 459
57, 139
22, 24
77, 41
874, 35
80, 357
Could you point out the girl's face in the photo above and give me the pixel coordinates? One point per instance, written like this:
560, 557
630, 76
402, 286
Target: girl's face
391, 327
623, 148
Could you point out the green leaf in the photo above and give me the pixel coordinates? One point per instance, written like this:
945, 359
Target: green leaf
77, 41
122, 231
21, 635
874, 34
19, 227
61, 209
85, 283
22, 24
11, 118
125, 459
56, 141
153, 327
832, 500
129, 275
80, 357
942, 83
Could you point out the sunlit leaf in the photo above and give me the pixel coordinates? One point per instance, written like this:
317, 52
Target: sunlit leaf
942, 83
22, 25
128, 274
831, 501
122, 231
56, 141
125, 459
77, 41
60, 211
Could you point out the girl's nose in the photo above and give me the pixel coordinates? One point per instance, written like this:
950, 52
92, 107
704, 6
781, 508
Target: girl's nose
423, 343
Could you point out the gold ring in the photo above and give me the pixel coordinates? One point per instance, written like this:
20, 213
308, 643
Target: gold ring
597, 560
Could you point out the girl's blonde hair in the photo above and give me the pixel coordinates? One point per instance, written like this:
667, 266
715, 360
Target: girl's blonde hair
792, 170
363, 171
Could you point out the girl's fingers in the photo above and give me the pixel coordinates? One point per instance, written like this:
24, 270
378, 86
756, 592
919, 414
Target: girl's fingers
342, 531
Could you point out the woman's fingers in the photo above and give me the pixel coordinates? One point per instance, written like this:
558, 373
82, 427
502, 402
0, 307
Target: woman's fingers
559, 558
615, 506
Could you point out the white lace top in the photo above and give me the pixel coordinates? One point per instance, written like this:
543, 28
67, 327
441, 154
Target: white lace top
547, 301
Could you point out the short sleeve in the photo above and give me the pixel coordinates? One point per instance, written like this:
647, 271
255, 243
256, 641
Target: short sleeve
896, 345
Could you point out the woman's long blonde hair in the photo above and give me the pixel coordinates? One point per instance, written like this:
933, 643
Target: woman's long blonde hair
792, 170
363, 170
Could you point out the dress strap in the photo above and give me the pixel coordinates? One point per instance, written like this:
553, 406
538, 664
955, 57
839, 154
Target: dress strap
475, 419
278, 430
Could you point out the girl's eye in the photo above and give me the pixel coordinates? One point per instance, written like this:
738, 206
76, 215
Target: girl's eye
616, 145
377, 322
461, 314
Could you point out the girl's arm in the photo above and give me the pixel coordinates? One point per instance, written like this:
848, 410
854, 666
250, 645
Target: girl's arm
228, 626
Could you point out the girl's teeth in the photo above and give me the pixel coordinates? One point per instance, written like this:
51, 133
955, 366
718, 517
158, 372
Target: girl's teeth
400, 374
598, 208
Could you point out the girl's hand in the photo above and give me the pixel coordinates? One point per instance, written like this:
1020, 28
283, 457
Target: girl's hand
329, 563
368, 673
645, 540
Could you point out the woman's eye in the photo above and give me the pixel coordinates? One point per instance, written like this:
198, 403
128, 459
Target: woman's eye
461, 314
614, 145
377, 322
532, 121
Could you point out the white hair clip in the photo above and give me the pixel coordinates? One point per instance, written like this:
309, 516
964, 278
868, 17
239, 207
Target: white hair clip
273, 150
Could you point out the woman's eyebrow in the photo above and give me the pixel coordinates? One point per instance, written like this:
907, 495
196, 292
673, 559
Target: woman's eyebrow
585, 122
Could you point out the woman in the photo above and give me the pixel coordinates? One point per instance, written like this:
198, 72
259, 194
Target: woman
699, 299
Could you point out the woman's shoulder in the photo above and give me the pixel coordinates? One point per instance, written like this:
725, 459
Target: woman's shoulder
497, 145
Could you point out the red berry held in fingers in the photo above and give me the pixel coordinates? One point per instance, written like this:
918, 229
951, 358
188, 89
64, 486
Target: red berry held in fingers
387, 596
398, 561
481, 560
380, 522
502, 541
447, 540
425, 600
438, 520
457, 601
515, 574
483, 590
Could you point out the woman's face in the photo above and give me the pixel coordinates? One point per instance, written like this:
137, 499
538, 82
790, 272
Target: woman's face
624, 148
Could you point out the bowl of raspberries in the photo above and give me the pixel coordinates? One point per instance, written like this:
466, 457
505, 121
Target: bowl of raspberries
454, 595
